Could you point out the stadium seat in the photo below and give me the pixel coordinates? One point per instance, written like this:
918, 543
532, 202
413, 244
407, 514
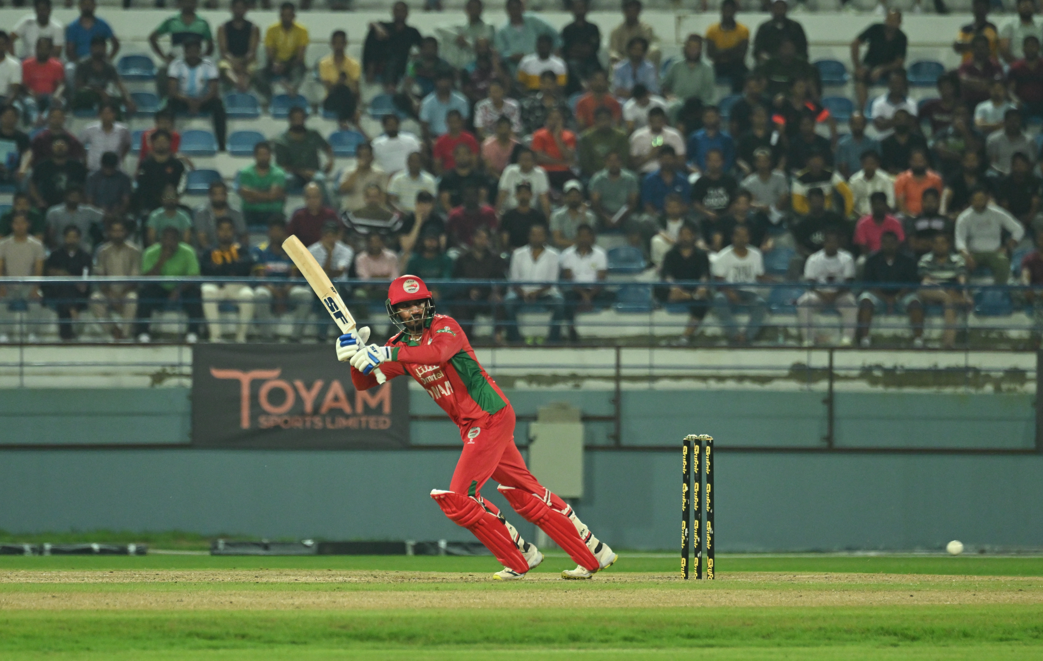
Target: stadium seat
198, 142
197, 182
574, 101
784, 299
625, 259
634, 299
345, 143
282, 103
135, 141
924, 73
832, 72
1015, 260
923, 102
147, 103
241, 143
776, 261
726, 103
839, 106
239, 105
993, 303
85, 113
382, 104
136, 67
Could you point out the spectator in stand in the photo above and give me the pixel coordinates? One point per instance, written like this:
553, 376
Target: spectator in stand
685, 263
193, 88
335, 257
488, 112
43, 77
53, 177
10, 73
81, 33
227, 259
809, 230
885, 54
164, 121
41, 143
583, 264
96, 81
446, 144
438, 104
297, 152
1032, 276
669, 178
206, 215
566, 220
532, 66
339, 74
871, 227
899, 146
739, 264
555, 149
712, 193
853, 146
21, 204
181, 27
169, 215
632, 26
944, 276
106, 135
430, 263
760, 136
157, 171
262, 187
402, 230
534, 109
771, 34
353, 183
14, 148
386, 51
669, 224
285, 43
116, 304
988, 115
1019, 192
978, 73
29, 30
887, 267
691, 76
272, 264
580, 43
710, 138
21, 255
780, 71
740, 117
404, 186
87, 219
597, 142
920, 231
1026, 79
727, 43
237, 42
768, 188
911, 184
980, 236
634, 70
478, 75
1002, 145
480, 262
597, 97
952, 144
800, 102
805, 144
171, 258
1013, 33
517, 37
742, 214
466, 172
646, 144
307, 222
109, 188
887, 105
391, 149
424, 69
980, 27
466, 218
375, 263
869, 180
831, 270
498, 149
637, 107
956, 196
516, 223
817, 175
525, 170
67, 300
376, 216
939, 112
534, 263
614, 195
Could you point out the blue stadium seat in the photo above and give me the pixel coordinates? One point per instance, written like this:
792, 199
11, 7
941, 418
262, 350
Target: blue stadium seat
725, 105
241, 143
4, 208
784, 299
135, 141
345, 143
197, 182
634, 299
382, 104
574, 101
147, 103
239, 105
198, 142
839, 106
993, 303
85, 113
281, 104
776, 260
625, 259
924, 73
136, 67
832, 72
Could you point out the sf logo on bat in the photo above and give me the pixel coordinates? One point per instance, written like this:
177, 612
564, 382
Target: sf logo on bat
334, 310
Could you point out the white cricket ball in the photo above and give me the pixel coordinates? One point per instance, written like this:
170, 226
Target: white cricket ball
955, 547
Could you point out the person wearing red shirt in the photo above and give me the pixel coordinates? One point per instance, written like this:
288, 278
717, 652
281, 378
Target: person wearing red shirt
44, 77
466, 218
446, 144
434, 350
1026, 79
555, 149
910, 185
306, 223
870, 228
597, 97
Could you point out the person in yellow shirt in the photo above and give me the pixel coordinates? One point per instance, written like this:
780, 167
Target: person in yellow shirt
980, 25
727, 43
339, 74
285, 43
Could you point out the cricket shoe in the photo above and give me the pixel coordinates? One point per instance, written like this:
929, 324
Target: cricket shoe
532, 556
606, 558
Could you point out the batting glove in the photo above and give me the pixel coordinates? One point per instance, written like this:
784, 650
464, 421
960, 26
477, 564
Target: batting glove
369, 358
350, 343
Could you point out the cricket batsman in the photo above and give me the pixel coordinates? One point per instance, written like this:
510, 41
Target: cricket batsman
433, 349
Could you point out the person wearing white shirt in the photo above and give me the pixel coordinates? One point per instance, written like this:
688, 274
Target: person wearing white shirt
1012, 34
335, 257
645, 143
831, 270
392, 149
886, 105
636, 109
524, 171
870, 179
979, 235
583, 263
534, 263
533, 65
10, 71
404, 186
105, 136
193, 88
739, 264
30, 28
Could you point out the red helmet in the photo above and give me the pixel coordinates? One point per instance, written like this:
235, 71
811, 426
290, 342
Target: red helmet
407, 288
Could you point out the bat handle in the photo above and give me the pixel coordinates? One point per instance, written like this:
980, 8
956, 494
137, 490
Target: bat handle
380, 376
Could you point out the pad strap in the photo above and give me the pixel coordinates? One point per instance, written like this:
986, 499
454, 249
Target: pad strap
553, 522
490, 530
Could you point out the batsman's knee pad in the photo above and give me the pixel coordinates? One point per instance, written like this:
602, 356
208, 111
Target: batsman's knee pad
553, 522
490, 529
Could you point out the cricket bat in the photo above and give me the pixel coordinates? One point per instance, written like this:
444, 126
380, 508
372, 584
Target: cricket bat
323, 288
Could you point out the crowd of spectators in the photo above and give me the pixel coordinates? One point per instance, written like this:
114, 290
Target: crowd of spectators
534, 157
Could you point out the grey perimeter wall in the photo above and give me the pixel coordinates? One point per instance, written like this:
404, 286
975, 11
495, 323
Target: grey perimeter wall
766, 501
